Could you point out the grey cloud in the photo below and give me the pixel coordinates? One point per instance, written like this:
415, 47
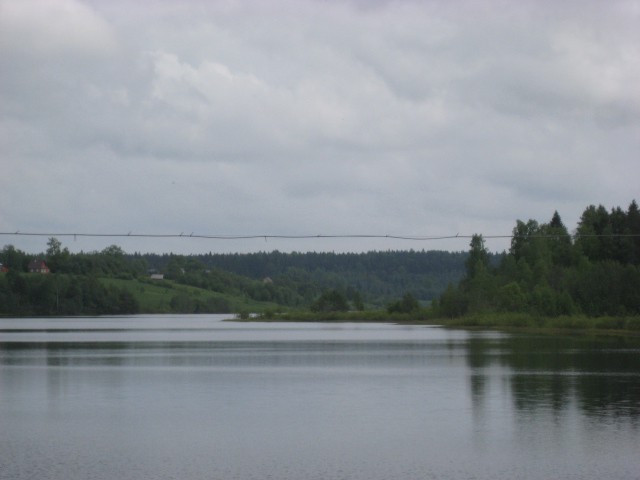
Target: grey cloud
315, 117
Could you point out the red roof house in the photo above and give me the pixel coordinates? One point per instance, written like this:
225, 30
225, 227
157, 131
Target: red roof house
38, 266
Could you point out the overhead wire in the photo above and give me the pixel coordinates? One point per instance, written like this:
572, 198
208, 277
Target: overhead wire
298, 237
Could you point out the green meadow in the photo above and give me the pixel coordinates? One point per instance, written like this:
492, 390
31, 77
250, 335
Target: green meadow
167, 296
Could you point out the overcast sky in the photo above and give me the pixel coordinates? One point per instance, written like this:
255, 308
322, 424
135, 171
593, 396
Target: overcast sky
299, 117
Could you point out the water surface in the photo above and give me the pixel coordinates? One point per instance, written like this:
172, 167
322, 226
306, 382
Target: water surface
194, 397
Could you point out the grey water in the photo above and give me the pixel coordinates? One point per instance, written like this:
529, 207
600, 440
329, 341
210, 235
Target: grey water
196, 397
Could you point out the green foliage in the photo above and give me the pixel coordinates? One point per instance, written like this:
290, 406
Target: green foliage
408, 304
330, 301
166, 296
511, 298
56, 256
575, 322
356, 300
478, 259
296, 279
230, 281
182, 303
350, 316
14, 259
454, 302
614, 235
59, 294
299, 278
547, 274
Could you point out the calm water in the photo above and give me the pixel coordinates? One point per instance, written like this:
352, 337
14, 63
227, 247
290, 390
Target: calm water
193, 397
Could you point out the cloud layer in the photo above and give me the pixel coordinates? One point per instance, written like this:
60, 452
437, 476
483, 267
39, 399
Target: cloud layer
309, 117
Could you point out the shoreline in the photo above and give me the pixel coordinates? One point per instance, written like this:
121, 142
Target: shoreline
516, 322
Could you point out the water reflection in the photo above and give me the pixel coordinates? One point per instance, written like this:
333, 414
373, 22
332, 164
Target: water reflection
601, 375
198, 398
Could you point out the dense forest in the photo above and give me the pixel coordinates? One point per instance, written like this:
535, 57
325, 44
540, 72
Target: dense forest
548, 272
76, 283
296, 279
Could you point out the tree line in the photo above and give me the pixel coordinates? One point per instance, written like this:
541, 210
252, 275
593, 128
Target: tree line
547, 271
37, 295
72, 289
297, 280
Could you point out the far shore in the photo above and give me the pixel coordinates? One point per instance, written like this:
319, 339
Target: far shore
513, 322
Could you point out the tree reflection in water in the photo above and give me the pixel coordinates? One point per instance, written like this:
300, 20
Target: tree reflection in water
599, 375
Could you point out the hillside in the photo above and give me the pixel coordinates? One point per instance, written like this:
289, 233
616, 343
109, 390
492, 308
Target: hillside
296, 279
114, 282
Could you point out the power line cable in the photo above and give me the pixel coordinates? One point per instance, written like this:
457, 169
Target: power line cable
299, 237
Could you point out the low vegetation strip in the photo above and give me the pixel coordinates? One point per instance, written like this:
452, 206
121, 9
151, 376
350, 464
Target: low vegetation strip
548, 279
628, 324
506, 321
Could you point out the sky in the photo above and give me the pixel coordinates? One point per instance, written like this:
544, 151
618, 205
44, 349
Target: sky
308, 117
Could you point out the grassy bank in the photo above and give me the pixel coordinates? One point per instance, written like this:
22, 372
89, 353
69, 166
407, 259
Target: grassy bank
353, 316
507, 321
165, 296
629, 324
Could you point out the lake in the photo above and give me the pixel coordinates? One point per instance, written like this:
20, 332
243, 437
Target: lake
196, 397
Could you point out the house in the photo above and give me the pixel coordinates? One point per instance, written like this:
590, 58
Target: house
156, 276
38, 266
3, 268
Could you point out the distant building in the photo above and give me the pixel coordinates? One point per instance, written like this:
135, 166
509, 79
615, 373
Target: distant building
38, 266
157, 276
3, 269
267, 281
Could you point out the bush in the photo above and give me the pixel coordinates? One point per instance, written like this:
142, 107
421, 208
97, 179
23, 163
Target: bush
330, 301
408, 304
